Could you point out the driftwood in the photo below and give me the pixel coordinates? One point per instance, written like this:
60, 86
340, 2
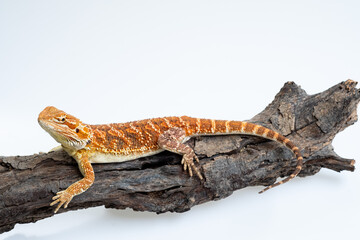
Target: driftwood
159, 184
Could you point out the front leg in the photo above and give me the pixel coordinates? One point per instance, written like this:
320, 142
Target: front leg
65, 196
172, 140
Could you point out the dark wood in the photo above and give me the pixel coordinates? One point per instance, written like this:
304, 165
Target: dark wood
158, 183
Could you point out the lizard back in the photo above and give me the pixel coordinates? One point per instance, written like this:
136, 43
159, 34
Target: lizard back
138, 137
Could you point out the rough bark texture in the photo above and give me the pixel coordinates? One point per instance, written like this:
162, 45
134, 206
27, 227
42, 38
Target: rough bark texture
159, 184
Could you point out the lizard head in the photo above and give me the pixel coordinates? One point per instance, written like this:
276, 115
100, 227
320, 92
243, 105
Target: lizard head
65, 128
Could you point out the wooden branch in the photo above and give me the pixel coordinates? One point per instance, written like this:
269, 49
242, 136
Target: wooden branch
159, 184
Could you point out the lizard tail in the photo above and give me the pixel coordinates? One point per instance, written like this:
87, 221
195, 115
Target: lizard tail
291, 176
209, 127
257, 130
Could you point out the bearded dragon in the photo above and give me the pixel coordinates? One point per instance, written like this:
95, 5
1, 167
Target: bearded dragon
119, 142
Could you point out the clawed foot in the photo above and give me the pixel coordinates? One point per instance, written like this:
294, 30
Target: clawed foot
172, 140
188, 162
62, 197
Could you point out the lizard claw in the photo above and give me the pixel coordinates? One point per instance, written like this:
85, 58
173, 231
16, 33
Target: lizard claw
196, 158
188, 161
172, 140
61, 198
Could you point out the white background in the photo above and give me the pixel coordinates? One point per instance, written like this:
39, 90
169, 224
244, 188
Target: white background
116, 61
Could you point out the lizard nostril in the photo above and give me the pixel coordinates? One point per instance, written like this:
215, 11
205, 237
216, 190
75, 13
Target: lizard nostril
76, 130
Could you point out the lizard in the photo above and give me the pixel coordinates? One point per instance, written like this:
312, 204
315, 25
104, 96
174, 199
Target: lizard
119, 142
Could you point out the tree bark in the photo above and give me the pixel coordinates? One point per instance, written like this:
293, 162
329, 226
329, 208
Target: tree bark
158, 183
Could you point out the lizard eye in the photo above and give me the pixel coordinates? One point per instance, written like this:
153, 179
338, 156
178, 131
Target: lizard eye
60, 119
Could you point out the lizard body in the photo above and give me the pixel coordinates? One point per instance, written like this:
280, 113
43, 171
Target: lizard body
120, 142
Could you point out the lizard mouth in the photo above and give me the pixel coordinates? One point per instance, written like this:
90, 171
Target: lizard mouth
61, 134
46, 125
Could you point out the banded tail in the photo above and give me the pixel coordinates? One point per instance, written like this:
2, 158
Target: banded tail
209, 127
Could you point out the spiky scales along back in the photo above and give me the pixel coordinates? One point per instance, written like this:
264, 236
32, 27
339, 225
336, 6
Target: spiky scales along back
141, 136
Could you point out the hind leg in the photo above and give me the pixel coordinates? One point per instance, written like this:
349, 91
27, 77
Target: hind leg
172, 140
